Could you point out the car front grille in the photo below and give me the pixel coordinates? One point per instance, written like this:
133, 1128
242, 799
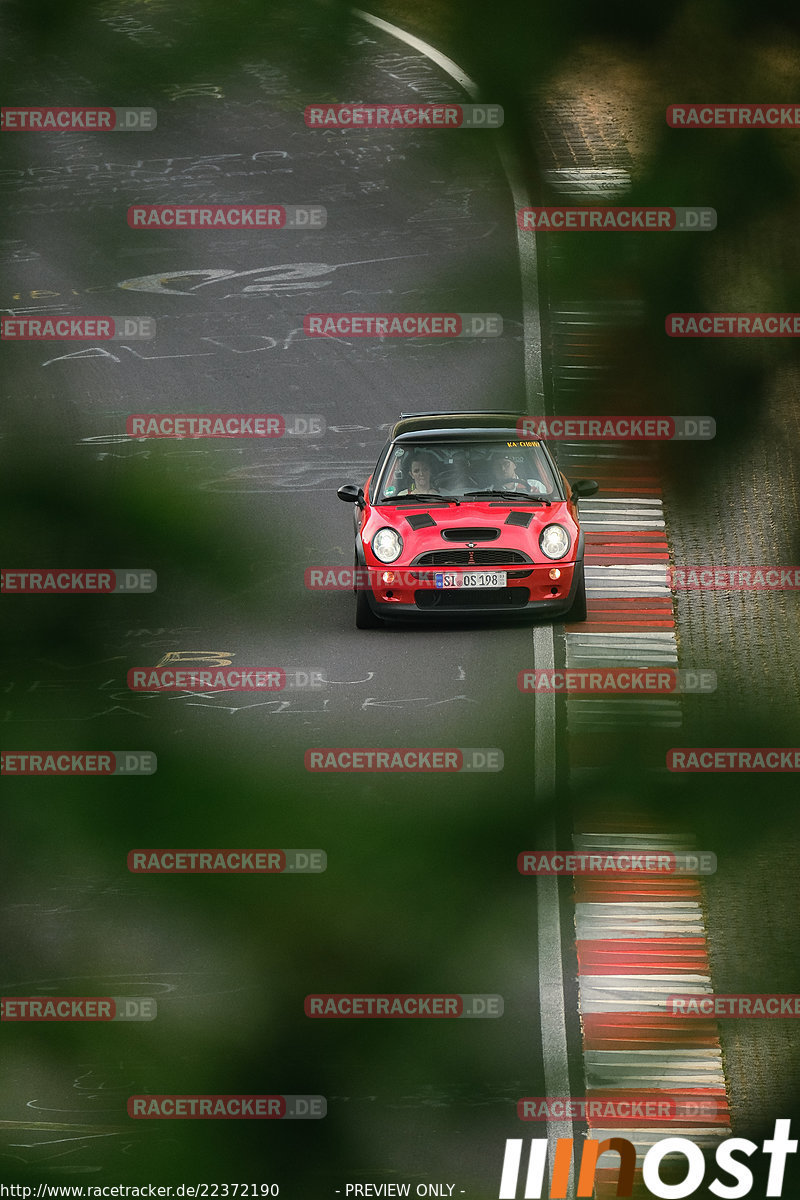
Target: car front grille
470, 558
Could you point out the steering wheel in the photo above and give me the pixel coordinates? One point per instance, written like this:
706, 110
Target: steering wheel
452, 478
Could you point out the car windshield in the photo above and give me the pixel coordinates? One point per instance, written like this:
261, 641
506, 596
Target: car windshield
456, 469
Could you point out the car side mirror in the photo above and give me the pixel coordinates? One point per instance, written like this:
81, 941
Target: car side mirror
583, 488
351, 494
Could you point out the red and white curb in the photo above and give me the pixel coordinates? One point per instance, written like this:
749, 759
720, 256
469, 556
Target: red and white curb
626, 557
637, 940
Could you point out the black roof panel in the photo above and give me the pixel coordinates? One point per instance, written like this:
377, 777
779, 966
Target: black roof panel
457, 426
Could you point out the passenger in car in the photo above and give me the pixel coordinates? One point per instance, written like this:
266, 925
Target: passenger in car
422, 468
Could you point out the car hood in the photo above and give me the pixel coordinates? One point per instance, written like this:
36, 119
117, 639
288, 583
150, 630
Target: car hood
438, 527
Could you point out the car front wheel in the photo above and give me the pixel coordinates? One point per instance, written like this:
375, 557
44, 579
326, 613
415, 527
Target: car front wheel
365, 617
578, 610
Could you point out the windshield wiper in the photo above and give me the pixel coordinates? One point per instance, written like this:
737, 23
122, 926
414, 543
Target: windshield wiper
421, 498
514, 497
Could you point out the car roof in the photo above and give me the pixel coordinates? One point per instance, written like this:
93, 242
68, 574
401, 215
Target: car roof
457, 426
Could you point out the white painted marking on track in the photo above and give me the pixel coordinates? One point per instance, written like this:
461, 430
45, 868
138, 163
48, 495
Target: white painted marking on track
643, 1139
637, 993
663, 842
450, 67
601, 929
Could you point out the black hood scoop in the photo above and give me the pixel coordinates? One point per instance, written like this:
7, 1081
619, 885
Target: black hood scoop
523, 519
420, 520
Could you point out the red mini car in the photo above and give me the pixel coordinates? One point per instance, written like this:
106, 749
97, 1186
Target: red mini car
462, 516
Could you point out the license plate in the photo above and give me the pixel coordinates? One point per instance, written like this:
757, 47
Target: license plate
470, 579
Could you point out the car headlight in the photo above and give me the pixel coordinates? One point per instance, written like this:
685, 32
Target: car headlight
387, 544
554, 541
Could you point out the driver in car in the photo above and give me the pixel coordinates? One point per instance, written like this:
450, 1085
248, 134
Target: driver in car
506, 479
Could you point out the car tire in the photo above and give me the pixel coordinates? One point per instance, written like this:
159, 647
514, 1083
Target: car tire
365, 617
578, 610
